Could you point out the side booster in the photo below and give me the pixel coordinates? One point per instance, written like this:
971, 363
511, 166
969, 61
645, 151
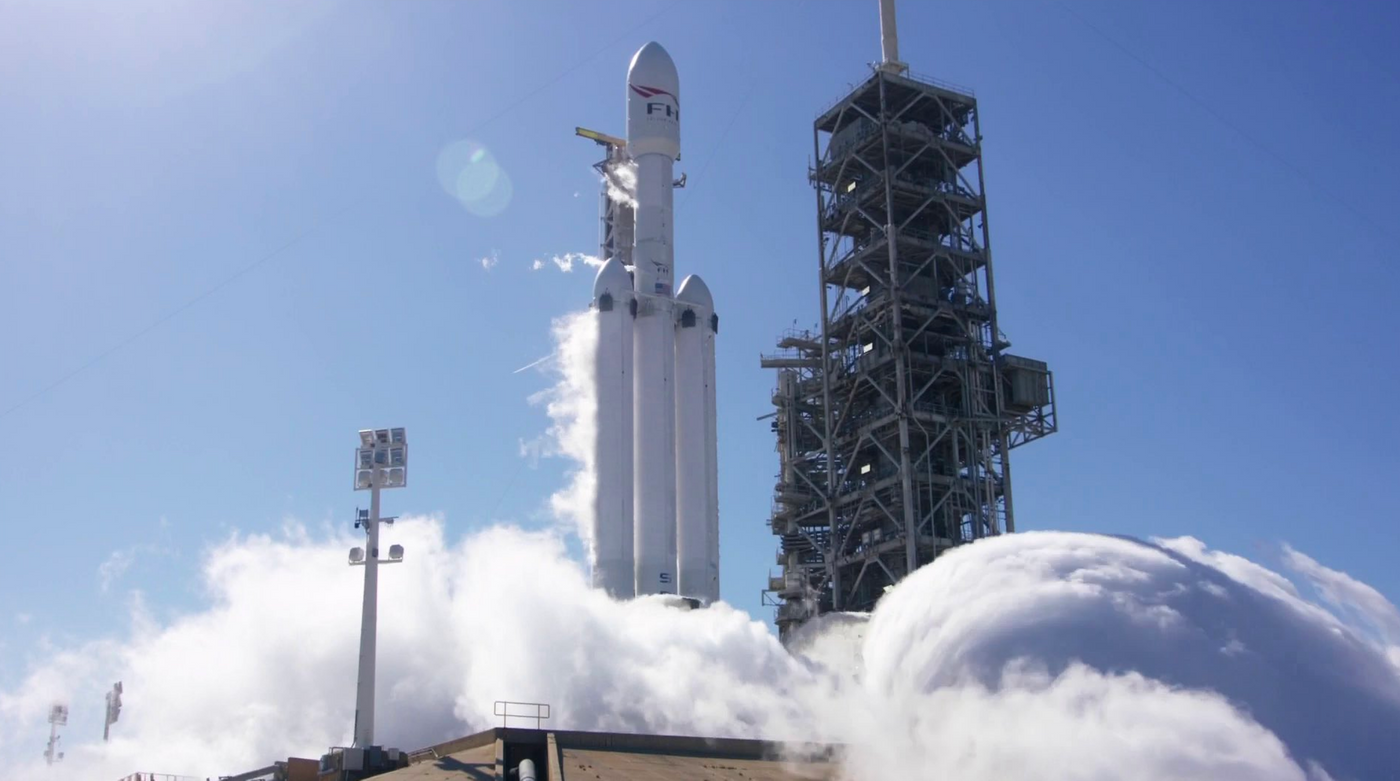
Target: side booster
656, 514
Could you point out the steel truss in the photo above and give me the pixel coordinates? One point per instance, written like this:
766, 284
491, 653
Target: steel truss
894, 421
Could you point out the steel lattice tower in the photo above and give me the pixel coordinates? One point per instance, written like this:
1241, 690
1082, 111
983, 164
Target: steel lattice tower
895, 420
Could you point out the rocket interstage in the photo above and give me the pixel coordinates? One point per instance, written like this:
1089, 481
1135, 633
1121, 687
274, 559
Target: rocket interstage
656, 519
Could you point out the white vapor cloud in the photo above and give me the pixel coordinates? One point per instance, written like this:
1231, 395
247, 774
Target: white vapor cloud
620, 180
114, 566
566, 262
1361, 604
1171, 634
120, 561
489, 262
572, 406
1038, 655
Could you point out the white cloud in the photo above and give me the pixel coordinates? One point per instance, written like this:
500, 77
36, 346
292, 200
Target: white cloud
1023, 656
621, 181
1080, 723
23, 618
572, 406
566, 262
1360, 605
120, 561
535, 448
489, 262
1063, 602
116, 565
1345, 593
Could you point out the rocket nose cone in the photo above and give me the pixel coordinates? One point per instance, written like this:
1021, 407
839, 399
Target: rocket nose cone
653, 67
612, 278
693, 290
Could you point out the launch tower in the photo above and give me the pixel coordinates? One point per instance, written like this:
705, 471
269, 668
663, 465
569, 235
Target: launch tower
895, 420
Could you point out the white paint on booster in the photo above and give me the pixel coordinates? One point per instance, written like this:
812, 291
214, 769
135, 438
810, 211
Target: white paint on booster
695, 451
612, 457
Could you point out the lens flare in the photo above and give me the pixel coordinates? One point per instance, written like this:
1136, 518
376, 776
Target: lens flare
468, 172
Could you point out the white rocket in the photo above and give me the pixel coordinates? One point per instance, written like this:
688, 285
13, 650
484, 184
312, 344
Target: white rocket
656, 513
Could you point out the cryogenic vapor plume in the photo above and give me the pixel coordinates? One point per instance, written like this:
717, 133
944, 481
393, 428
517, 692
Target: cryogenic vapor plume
620, 182
656, 501
572, 405
565, 262
1043, 655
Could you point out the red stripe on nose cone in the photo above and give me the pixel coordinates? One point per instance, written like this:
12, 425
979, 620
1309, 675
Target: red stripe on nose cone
651, 92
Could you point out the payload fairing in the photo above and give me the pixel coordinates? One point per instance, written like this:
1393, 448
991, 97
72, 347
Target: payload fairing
656, 511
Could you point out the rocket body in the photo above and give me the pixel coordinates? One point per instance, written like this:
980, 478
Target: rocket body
653, 141
670, 469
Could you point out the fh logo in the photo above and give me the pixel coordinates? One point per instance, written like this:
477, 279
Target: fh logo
664, 109
655, 106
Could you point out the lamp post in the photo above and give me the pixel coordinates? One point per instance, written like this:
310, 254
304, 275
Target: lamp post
114, 710
58, 717
381, 462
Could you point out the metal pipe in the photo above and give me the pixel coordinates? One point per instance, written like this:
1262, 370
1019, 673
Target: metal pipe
525, 771
369, 620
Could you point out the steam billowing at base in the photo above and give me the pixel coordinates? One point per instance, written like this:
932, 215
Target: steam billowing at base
1039, 655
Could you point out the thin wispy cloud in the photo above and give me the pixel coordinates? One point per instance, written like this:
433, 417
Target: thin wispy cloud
120, 561
115, 565
567, 261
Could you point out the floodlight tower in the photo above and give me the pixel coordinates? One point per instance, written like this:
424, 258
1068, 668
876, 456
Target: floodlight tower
381, 461
58, 717
114, 710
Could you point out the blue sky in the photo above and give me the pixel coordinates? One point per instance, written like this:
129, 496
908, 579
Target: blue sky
1189, 205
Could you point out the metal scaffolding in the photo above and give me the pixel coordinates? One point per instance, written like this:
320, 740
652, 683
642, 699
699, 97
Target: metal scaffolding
895, 419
